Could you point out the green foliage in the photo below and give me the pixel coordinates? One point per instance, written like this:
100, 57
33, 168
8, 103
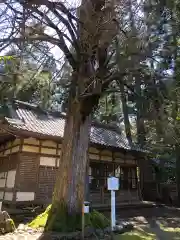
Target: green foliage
62, 222
24, 78
11, 222
109, 109
97, 220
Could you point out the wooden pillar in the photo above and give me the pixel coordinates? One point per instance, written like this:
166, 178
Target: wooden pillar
37, 172
5, 185
102, 195
86, 190
138, 184
17, 172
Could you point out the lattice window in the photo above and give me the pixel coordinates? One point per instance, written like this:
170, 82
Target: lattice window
99, 172
3, 175
118, 172
127, 177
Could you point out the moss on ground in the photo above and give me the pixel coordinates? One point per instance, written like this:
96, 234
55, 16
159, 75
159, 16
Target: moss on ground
135, 235
61, 223
169, 229
12, 224
40, 220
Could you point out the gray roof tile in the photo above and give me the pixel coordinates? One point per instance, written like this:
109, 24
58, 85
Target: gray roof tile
31, 119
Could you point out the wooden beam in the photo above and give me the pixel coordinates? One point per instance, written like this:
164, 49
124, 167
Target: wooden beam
17, 171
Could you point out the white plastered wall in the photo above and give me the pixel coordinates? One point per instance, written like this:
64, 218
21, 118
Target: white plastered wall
11, 179
8, 196
25, 196
1, 195
2, 179
47, 161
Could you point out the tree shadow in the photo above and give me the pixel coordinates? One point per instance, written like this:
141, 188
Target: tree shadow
45, 236
157, 223
154, 224
162, 233
59, 235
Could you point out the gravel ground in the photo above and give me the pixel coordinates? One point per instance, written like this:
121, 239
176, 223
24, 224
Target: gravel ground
149, 220
159, 223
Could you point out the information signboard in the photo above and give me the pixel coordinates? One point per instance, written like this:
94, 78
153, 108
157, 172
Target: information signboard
113, 184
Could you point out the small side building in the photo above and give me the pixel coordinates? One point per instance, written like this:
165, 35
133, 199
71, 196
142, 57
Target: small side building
30, 148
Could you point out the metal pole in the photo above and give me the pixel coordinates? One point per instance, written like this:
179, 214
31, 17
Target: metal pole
113, 210
83, 222
86, 195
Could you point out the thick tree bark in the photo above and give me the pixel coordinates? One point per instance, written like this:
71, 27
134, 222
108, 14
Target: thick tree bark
141, 133
69, 189
141, 137
175, 105
178, 171
125, 113
85, 90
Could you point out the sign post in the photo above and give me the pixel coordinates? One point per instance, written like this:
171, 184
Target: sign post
85, 209
113, 185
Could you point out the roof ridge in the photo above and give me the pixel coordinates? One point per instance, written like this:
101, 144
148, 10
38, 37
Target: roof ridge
106, 126
100, 133
22, 103
36, 107
63, 115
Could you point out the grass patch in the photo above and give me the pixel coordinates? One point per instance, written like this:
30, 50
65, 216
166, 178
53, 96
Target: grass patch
135, 235
162, 233
94, 219
169, 229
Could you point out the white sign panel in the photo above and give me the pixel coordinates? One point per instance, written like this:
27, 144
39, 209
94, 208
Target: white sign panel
86, 209
113, 183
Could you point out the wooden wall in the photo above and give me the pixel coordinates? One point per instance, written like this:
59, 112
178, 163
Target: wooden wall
47, 148
111, 156
8, 166
50, 151
9, 154
10, 147
31, 164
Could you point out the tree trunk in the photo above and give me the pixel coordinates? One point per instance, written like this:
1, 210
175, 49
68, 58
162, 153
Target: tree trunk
66, 211
141, 137
126, 114
68, 197
141, 133
177, 150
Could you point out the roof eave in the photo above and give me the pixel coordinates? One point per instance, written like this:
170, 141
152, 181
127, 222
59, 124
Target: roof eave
26, 133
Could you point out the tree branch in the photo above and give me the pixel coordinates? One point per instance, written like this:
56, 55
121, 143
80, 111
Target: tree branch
70, 30
31, 39
62, 44
52, 7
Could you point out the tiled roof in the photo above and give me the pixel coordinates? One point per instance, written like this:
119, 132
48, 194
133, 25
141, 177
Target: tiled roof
30, 118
